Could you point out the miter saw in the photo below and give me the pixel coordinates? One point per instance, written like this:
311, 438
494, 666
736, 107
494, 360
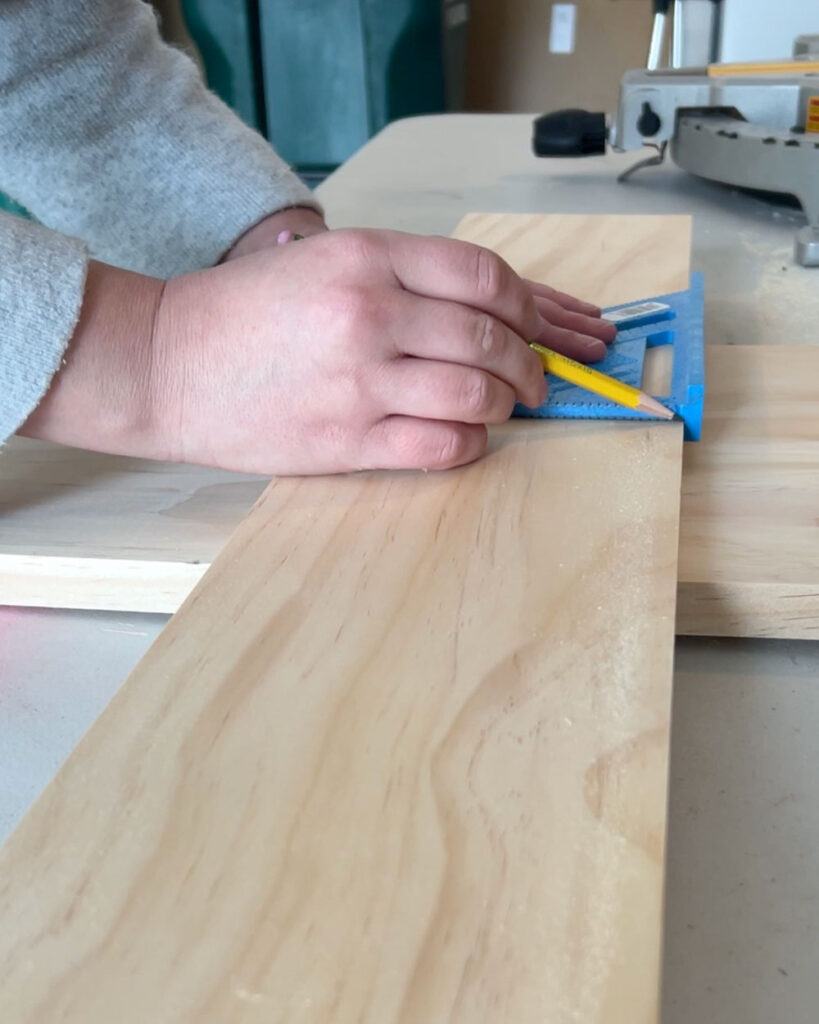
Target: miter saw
752, 125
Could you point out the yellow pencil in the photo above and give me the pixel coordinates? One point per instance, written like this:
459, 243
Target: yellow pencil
600, 383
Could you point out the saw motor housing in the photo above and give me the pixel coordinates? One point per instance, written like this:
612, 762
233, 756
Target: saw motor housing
743, 130
736, 126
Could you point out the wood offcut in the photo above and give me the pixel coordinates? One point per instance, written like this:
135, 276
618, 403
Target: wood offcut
81, 530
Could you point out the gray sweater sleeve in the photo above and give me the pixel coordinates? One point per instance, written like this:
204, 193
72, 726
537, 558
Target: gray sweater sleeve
42, 276
109, 135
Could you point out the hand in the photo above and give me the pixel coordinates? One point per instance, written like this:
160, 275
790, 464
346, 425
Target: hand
571, 326
348, 350
276, 229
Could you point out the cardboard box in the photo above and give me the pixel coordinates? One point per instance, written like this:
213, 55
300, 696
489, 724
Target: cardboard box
510, 66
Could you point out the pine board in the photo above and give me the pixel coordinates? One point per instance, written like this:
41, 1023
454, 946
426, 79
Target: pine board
749, 532
84, 530
651, 253
81, 530
400, 757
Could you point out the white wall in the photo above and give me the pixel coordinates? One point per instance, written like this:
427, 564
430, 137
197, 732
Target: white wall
761, 30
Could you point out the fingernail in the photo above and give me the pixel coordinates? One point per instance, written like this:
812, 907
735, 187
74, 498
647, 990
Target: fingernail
544, 391
593, 347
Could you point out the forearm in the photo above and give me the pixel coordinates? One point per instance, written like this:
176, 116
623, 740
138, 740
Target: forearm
110, 135
77, 361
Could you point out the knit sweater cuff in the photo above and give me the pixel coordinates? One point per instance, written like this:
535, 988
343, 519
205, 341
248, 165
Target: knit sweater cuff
42, 279
111, 136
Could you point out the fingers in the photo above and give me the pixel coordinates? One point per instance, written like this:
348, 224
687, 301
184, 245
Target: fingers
594, 327
403, 442
445, 268
445, 391
449, 332
576, 335
563, 299
576, 346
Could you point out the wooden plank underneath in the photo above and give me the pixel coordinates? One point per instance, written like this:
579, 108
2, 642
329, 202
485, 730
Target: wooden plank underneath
401, 757
79, 530
749, 532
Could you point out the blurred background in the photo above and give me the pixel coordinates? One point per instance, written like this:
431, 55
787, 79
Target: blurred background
320, 77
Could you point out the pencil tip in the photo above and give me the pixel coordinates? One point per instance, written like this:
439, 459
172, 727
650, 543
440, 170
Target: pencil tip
652, 406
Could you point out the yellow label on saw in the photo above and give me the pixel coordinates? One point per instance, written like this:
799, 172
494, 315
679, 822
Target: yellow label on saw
812, 115
764, 67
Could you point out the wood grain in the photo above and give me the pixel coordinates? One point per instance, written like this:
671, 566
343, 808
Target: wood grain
652, 252
401, 757
749, 533
84, 530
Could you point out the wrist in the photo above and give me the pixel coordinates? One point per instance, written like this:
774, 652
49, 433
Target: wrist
300, 220
101, 397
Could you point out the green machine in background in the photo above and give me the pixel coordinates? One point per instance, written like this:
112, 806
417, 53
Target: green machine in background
226, 34
10, 206
320, 77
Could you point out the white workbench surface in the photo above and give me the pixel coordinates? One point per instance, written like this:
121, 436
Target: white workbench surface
743, 877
